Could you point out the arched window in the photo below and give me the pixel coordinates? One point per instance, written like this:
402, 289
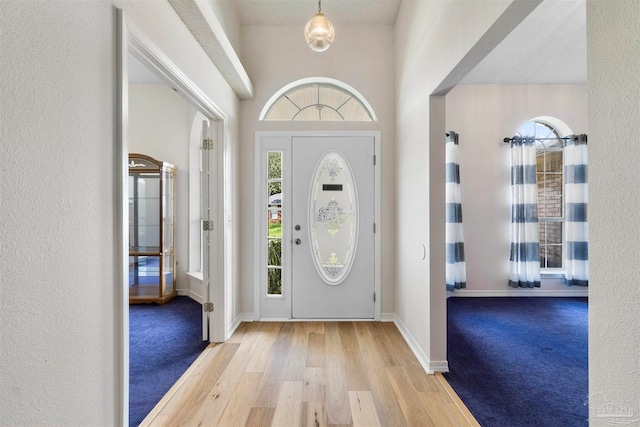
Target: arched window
318, 99
549, 133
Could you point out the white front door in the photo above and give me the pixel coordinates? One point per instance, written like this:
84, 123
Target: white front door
332, 220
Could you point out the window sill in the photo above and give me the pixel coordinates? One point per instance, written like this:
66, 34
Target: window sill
552, 274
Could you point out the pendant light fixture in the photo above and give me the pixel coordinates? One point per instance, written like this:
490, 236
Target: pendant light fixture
319, 32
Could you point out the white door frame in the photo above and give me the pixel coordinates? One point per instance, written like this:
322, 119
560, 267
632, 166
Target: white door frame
129, 39
260, 190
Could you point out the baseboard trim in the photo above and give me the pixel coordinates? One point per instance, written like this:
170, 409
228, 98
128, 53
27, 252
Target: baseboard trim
242, 317
387, 317
520, 293
429, 366
189, 293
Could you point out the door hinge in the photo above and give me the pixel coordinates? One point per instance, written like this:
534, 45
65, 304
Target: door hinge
374, 297
374, 160
207, 307
207, 144
374, 228
207, 225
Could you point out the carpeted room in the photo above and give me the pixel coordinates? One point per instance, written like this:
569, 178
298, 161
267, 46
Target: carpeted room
517, 355
520, 361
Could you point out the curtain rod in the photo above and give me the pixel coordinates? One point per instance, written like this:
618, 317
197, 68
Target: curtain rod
574, 137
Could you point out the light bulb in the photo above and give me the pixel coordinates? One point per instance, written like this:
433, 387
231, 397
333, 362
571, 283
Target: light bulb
319, 32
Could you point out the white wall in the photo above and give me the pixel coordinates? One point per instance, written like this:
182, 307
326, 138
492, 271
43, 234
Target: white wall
361, 56
437, 43
59, 345
160, 123
613, 89
483, 115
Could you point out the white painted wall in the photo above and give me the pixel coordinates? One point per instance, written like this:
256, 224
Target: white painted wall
58, 349
437, 43
160, 123
613, 89
57, 346
361, 56
483, 115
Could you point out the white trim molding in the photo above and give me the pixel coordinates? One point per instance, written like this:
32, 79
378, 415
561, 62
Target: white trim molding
520, 293
387, 317
241, 317
430, 366
317, 80
201, 20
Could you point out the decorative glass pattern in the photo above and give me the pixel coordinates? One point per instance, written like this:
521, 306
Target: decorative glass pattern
333, 216
318, 102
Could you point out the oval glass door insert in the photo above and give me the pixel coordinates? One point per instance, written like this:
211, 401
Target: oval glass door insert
333, 217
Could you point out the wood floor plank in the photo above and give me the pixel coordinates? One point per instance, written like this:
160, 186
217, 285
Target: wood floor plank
314, 414
211, 409
420, 380
197, 394
300, 335
462, 408
238, 365
259, 378
315, 350
295, 364
356, 377
389, 410
314, 385
441, 413
272, 378
387, 351
337, 396
363, 409
401, 350
260, 417
289, 405
268, 333
415, 413
181, 388
239, 407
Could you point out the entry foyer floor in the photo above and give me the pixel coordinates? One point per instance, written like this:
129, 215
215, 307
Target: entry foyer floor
310, 374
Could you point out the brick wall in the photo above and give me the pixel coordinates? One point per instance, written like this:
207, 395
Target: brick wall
550, 204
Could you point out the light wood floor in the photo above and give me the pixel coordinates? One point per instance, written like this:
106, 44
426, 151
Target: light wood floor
310, 374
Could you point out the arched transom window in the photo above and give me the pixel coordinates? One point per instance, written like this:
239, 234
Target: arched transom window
318, 99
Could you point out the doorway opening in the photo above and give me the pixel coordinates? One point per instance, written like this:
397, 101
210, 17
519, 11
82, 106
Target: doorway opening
137, 54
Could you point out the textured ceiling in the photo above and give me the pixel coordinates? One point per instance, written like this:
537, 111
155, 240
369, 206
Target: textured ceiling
279, 12
549, 46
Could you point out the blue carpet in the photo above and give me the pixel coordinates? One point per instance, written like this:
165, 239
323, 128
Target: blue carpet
520, 362
163, 342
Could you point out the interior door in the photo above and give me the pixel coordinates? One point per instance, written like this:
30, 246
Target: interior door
333, 212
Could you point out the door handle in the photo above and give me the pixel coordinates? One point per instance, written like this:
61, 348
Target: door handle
297, 241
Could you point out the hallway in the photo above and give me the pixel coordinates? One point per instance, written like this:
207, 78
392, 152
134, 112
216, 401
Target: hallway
310, 374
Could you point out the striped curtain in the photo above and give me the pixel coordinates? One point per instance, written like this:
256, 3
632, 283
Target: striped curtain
576, 226
524, 265
456, 271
